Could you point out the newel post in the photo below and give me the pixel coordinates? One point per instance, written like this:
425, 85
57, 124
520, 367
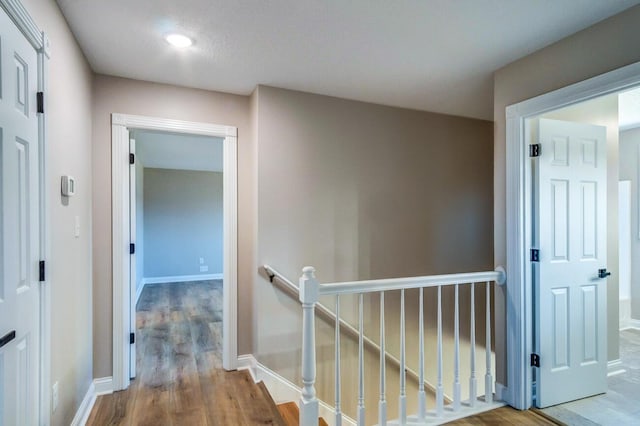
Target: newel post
308, 297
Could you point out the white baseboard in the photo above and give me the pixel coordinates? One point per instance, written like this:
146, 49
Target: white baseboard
98, 387
103, 385
84, 410
624, 313
139, 290
181, 278
629, 323
282, 390
614, 367
501, 392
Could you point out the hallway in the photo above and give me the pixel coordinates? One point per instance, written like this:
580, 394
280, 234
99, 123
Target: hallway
180, 378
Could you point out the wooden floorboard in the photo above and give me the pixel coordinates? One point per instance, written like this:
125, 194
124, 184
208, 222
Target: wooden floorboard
180, 380
505, 416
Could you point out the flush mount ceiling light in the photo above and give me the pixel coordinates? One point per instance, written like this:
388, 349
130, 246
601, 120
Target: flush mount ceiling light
178, 40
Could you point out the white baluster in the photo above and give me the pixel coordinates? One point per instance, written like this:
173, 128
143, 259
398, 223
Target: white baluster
456, 355
382, 405
439, 388
473, 382
338, 413
360, 360
308, 297
422, 396
402, 400
488, 379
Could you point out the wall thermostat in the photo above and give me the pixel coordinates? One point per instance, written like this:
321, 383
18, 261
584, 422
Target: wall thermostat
68, 186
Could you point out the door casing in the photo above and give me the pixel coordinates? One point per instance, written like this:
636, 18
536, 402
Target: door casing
519, 303
120, 184
40, 42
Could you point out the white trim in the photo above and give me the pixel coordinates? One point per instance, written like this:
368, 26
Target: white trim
120, 125
501, 392
139, 290
103, 385
630, 323
21, 17
168, 125
615, 367
230, 252
282, 390
518, 193
181, 279
628, 127
175, 279
84, 410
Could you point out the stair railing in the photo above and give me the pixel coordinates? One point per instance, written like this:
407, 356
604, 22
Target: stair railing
309, 292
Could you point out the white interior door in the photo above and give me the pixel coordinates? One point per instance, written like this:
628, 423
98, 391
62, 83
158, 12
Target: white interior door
19, 226
570, 231
132, 263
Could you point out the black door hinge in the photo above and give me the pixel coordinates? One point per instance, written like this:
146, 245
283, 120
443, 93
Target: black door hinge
535, 255
41, 271
132, 338
535, 360
132, 248
535, 150
132, 158
40, 102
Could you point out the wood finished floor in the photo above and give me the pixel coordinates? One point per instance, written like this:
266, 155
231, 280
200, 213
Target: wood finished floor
180, 380
506, 416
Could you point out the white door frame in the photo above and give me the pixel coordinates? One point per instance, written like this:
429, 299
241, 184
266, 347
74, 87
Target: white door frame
519, 218
40, 42
120, 126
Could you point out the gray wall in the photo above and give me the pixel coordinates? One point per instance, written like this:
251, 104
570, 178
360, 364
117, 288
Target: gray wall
182, 222
608, 45
630, 170
113, 94
69, 109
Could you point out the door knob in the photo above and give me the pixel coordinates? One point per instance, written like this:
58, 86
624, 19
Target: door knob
602, 273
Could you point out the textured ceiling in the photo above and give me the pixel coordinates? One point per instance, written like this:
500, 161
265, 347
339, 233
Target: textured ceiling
434, 55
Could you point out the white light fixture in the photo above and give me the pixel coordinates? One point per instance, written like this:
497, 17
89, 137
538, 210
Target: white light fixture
178, 40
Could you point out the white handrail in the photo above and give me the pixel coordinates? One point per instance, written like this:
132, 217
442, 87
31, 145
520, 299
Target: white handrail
374, 286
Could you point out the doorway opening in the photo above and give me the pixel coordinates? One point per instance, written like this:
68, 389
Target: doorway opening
616, 402
176, 222
168, 263
573, 213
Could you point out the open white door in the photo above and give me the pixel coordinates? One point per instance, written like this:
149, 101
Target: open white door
570, 231
132, 264
19, 229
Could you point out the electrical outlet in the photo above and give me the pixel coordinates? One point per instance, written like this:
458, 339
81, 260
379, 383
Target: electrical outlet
54, 396
204, 268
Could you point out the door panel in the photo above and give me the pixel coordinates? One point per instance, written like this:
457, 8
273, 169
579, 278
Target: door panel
19, 228
570, 231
